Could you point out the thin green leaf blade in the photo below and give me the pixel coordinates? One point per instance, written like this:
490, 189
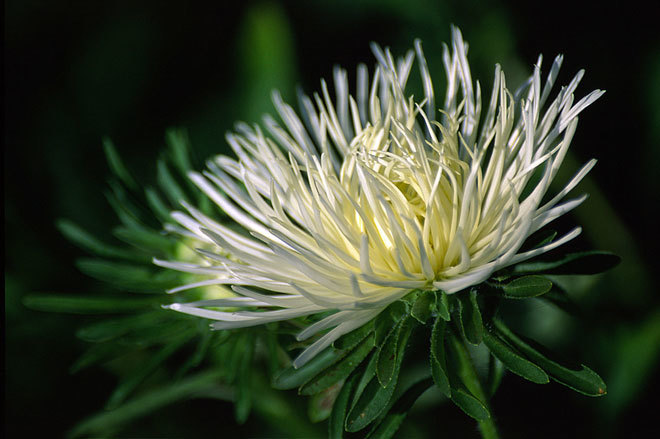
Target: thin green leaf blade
527, 286
437, 357
588, 262
470, 317
514, 362
582, 380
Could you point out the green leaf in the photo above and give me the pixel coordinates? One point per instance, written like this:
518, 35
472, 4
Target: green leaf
110, 329
168, 184
387, 356
146, 239
466, 390
442, 306
387, 320
526, 286
514, 362
106, 422
423, 306
138, 375
88, 242
580, 378
340, 370
157, 204
177, 140
588, 262
134, 278
117, 165
290, 378
389, 425
243, 402
86, 304
495, 374
374, 398
353, 338
320, 405
470, 317
341, 406
469, 404
437, 357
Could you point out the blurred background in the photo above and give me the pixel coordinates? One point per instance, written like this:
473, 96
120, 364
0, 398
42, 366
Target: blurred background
76, 72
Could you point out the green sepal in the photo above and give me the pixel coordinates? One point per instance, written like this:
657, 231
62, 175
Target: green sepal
290, 378
110, 329
513, 361
392, 420
526, 286
442, 306
437, 357
374, 398
588, 262
340, 370
579, 378
423, 306
470, 316
169, 185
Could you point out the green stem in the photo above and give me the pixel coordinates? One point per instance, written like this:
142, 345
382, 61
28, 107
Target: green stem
487, 427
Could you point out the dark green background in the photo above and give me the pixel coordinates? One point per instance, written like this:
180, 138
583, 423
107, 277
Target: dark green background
78, 71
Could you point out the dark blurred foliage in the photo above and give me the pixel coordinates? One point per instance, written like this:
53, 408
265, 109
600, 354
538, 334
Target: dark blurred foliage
78, 71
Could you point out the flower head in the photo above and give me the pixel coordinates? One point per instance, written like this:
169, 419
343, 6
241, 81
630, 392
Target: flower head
357, 200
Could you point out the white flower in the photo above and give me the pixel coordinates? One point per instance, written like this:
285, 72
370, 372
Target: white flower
355, 202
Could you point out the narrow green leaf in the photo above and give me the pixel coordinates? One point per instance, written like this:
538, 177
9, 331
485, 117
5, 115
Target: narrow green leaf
514, 362
168, 184
469, 404
389, 425
110, 329
138, 375
243, 403
290, 378
588, 262
107, 422
470, 317
353, 338
437, 357
466, 390
134, 278
86, 304
157, 204
387, 356
495, 374
177, 140
579, 378
526, 286
423, 306
146, 239
339, 370
117, 165
320, 405
341, 406
374, 398
442, 306
88, 242
386, 321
